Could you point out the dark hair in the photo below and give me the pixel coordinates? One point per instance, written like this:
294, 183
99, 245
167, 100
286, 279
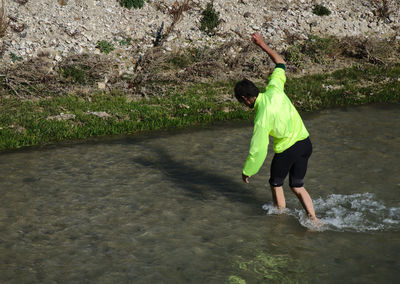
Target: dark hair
245, 88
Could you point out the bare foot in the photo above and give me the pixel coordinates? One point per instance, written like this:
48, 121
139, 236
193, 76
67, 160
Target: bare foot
317, 223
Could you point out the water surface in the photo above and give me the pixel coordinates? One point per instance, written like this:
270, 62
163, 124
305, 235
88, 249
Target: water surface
171, 208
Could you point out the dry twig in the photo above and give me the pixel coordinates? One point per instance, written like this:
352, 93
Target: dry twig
176, 12
3, 21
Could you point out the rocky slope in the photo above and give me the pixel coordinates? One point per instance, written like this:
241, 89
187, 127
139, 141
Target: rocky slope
52, 46
63, 27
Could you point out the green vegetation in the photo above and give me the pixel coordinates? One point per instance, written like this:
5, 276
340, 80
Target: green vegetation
124, 41
351, 86
75, 73
137, 4
180, 60
295, 56
233, 279
266, 269
187, 57
321, 10
210, 19
73, 116
316, 49
25, 123
105, 46
15, 57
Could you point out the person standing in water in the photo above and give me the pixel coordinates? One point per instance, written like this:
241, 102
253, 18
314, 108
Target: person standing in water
276, 116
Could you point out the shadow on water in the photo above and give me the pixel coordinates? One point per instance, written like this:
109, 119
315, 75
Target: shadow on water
200, 184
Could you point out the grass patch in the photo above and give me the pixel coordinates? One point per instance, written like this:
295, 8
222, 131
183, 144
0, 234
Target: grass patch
318, 49
351, 86
315, 49
126, 41
180, 60
70, 117
105, 46
75, 73
295, 56
26, 123
187, 57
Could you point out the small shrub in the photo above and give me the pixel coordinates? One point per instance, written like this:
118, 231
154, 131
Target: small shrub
321, 10
105, 46
210, 19
137, 4
21, 2
76, 73
180, 60
125, 41
318, 49
15, 57
294, 55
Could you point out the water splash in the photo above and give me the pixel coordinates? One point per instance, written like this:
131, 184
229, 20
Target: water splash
357, 213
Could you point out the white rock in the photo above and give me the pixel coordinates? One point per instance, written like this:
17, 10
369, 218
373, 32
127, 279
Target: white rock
101, 114
90, 21
101, 85
57, 57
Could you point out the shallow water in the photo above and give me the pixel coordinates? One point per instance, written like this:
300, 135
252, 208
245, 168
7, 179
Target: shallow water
171, 208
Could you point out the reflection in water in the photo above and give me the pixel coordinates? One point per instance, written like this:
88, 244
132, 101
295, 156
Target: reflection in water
171, 208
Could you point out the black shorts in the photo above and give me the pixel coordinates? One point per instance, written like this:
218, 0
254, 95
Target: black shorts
293, 161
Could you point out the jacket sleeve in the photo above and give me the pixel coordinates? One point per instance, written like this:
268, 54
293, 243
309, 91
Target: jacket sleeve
258, 146
277, 79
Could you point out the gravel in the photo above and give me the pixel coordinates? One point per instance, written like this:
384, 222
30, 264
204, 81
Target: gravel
64, 27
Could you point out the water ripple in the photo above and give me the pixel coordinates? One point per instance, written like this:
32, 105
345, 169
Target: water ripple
359, 212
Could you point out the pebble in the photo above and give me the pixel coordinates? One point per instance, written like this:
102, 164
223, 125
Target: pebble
101, 85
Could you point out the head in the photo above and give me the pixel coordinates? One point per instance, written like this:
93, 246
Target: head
246, 92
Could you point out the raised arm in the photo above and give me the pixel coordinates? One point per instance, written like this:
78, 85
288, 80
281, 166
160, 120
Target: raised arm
257, 39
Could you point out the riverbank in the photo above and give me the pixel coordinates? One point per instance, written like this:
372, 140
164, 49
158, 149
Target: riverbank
78, 116
71, 70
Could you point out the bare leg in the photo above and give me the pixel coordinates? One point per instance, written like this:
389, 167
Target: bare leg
305, 200
278, 197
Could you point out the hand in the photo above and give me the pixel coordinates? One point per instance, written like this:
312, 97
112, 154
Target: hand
257, 39
245, 178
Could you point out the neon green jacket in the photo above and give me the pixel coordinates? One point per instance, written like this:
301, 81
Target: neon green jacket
275, 116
